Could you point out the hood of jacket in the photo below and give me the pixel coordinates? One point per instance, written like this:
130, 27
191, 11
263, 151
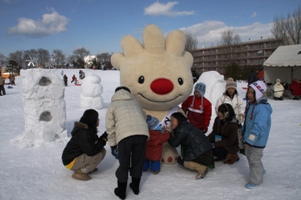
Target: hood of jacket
78, 126
122, 95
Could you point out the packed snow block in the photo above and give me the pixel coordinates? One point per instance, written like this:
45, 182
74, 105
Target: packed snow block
43, 104
91, 90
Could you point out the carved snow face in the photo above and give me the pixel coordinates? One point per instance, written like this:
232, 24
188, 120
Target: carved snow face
158, 73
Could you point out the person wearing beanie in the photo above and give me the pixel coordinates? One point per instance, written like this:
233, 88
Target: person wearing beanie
256, 130
127, 135
154, 146
231, 97
198, 108
278, 90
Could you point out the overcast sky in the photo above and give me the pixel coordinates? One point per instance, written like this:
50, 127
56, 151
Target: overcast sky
99, 25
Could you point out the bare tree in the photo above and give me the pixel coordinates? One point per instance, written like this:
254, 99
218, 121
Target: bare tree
58, 57
79, 55
288, 29
3, 60
191, 42
228, 41
229, 38
18, 57
31, 58
43, 57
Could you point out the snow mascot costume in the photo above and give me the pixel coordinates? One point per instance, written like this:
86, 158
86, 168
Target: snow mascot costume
158, 75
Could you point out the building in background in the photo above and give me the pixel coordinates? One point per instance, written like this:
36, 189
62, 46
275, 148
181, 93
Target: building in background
245, 56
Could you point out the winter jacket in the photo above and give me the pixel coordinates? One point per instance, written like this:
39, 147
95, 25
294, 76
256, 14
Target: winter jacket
295, 88
236, 102
228, 131
197, 116
155, 144
257, 124
125, 118
82, 141
191, 139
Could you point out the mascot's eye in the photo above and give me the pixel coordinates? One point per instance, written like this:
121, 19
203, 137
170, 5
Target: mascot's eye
141, 79
180, 81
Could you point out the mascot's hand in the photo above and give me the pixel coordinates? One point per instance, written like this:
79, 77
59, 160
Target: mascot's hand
155, 47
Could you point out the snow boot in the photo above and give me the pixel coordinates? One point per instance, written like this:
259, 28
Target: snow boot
231, 158
201, 169
80, 175
135, 185
121, 190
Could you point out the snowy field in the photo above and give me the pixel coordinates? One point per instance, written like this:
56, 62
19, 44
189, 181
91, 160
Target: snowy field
38, 173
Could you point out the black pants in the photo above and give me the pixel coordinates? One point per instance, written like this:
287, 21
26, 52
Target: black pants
131, 151
2, 89
220, 152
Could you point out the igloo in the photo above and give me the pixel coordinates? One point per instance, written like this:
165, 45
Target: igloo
43, 104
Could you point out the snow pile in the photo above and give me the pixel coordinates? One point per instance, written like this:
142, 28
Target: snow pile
215, 87
90, 97
43, 104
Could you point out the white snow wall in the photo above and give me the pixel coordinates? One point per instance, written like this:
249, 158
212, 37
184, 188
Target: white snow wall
43, 104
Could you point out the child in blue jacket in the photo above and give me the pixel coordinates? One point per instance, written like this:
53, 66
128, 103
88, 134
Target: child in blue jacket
256, 131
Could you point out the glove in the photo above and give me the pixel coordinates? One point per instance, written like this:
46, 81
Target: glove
241, 118
114, 151
104, 136
205, 130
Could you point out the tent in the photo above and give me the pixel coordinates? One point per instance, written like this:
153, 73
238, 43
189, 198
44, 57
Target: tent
284, 63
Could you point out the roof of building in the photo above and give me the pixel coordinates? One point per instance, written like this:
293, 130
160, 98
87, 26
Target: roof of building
285, 56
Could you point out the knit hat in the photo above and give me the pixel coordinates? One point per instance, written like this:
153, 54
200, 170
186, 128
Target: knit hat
153, 123
201, 88
231, 84
260, 88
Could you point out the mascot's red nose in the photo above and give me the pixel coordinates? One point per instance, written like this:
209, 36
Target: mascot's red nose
161, 86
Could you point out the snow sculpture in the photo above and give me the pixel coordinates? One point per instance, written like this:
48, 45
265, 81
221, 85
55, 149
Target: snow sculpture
43, 104
215, 87
90, 97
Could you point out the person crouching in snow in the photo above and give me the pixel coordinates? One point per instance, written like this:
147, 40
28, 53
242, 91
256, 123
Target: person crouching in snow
197, 108
85, 150
197, 154
256, 131
154, 145
224, 136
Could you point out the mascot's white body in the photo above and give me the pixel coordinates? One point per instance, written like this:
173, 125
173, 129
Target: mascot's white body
158, 75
